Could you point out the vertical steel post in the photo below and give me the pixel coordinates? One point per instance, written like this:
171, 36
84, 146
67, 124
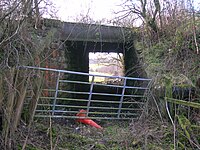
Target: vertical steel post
90, 96
122, 98
56, 93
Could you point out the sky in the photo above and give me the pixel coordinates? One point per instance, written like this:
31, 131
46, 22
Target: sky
71, 10
74, 10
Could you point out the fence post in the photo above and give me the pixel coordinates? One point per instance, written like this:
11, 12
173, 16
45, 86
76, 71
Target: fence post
122, 98
90, 96
56, 93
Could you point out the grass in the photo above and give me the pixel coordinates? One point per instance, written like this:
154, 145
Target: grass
116, 135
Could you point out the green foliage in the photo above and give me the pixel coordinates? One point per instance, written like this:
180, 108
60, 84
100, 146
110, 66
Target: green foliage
28, 147
156, 53
183, 102
173, 53
185, 125
187, 136
153, 56
168, 86
179, 40
154, 147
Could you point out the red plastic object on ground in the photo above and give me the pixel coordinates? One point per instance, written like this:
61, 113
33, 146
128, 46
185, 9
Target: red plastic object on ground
82, 113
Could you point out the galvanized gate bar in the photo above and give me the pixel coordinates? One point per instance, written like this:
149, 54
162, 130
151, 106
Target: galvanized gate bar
81, 73
122, 101
56, 93
90, 96
86, 100
106, 94
70, 106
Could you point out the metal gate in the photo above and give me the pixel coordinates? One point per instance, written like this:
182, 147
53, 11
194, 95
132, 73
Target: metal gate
64, 93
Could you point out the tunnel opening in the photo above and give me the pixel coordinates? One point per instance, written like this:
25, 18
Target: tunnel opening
111, 64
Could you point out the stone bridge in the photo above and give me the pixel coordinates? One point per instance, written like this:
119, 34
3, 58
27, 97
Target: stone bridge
79, 39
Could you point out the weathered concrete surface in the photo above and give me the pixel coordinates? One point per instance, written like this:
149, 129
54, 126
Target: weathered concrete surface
95, 38
90, 32
94, 33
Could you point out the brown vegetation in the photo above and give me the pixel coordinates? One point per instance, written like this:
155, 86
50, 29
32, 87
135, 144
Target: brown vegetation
168, 43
